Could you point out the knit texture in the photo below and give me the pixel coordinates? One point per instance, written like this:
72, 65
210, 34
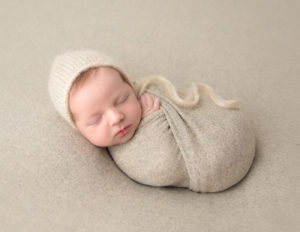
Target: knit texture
65, 68
205, 149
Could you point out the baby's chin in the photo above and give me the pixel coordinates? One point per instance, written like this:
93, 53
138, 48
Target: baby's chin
123, 140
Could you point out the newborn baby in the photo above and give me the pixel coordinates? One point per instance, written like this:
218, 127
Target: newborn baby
105, 109
156, 135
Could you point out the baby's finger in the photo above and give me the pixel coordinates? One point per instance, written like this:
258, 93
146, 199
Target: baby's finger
149, 101
143, 101
156, 104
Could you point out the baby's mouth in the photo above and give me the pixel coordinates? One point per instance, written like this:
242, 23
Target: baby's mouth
123, 132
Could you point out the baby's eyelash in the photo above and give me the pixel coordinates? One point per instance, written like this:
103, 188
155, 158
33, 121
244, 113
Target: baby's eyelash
98, 119
124, 99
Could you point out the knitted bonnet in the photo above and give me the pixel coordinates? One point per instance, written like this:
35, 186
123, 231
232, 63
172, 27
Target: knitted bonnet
66, 67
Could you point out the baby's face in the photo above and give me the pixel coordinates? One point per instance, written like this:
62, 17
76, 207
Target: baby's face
105, 105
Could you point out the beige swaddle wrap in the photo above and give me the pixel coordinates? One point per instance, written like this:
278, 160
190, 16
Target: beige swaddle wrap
206, 148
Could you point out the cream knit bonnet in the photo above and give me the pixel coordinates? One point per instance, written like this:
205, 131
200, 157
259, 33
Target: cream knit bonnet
66, 67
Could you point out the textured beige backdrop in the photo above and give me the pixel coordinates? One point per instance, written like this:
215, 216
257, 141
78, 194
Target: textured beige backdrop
51, 179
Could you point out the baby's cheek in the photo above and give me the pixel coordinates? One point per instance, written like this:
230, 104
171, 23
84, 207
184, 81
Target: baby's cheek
96, 135
91, 135
137, 110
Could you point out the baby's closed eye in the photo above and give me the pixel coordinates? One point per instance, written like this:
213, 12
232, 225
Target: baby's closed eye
122, 100
95, 120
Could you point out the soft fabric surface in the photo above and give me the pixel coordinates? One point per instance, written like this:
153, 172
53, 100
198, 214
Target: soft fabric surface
205, 148
52, 179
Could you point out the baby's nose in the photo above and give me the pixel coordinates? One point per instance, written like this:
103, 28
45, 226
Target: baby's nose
115, 116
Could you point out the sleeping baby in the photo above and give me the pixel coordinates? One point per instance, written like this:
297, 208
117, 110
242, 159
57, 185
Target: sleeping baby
157, 135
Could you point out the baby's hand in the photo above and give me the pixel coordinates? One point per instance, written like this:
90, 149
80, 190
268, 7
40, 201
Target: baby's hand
148, 105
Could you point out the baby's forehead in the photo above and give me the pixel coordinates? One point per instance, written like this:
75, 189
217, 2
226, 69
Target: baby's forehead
108, 69
106, 72
109, 72
95, 72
